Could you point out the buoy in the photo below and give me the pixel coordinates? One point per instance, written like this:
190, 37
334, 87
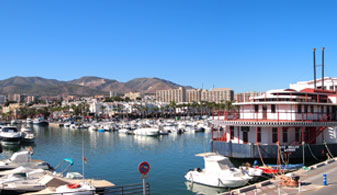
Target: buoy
73, 186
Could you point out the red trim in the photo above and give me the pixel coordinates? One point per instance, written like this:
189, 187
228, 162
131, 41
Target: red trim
144, 167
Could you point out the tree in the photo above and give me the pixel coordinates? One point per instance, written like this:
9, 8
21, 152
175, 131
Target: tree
10, 102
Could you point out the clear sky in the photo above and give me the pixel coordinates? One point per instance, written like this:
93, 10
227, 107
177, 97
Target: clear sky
245, 45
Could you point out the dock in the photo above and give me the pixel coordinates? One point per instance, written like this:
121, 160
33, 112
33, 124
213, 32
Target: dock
311, 182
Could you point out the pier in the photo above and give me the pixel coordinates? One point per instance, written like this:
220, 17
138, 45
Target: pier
311, 182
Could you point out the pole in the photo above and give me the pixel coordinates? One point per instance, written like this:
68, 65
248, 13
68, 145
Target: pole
323, 67
303, 144
144, 186
82, 156
314, 53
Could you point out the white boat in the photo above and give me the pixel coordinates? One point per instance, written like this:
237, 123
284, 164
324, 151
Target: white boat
218, 172
67, 124
40, 121
92, 128
23, 158
14, 122
82, 188
29, 121
125, 131
10, 135
74, 126
147, 131
28, 137
26, 129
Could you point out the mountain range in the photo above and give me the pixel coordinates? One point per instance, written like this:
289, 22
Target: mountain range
84, 86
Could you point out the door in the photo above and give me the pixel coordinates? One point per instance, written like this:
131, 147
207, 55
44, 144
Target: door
264, 111
310, 134
245, 137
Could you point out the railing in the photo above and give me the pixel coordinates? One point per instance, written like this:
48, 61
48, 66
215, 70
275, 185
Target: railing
275, 116
133, 189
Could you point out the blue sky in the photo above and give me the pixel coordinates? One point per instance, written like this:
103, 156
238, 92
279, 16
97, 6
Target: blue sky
244, 45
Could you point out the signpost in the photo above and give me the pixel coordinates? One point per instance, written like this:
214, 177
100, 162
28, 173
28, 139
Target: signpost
144, 168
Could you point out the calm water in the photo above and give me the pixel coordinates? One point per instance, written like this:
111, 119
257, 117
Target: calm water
115, 157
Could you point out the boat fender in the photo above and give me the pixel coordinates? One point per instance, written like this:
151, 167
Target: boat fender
73, 186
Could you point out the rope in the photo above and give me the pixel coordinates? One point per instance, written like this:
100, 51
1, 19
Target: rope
312, 152
328, 149
258, 149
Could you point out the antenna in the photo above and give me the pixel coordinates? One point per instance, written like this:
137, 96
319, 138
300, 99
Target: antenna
314, 53
323, 67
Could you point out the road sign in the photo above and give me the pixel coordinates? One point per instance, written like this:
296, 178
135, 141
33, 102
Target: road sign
143, 168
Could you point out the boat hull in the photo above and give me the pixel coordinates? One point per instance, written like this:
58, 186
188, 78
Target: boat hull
213, 180
250, 151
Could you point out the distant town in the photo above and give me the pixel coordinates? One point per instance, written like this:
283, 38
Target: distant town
167, 102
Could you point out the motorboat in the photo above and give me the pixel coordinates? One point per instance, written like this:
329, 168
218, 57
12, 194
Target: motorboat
28, 137
40, 121
29, 121
218, 172
26, 129
92, 128
14, 122
10, 135
23, 158
147, 131
82, 188
21, 182
125, 131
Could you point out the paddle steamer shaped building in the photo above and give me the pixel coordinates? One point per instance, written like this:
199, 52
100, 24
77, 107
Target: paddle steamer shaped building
287, 121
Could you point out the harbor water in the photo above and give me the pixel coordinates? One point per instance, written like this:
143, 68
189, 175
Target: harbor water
115, 157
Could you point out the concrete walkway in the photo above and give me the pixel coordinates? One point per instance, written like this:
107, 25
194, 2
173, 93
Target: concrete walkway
311, 182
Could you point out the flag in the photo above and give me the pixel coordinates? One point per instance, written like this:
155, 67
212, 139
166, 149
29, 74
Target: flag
84, 159
30, 149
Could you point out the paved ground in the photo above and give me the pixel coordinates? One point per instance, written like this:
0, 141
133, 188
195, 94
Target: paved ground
312, 182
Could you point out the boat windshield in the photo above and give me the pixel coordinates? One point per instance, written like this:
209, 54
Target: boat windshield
9, 129
225, 164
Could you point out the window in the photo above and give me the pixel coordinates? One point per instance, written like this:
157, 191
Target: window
273, 108
245, 134
274, 138
232, 132
245, 137
297, 134
312, 108
259, 134
256, 108
299, 108
305, 108
285, 135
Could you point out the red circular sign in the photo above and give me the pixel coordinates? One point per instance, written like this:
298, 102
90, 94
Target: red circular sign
143, 168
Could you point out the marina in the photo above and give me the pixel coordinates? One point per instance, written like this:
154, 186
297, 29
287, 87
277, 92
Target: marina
114, 157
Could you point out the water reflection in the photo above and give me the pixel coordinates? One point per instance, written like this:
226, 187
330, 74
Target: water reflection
201, 189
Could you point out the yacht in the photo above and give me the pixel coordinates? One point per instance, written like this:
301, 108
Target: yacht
29, 121
23, 158
10, 135
218, 172
147, 131
40, 121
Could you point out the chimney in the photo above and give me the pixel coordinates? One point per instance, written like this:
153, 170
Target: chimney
314, 49
323, 67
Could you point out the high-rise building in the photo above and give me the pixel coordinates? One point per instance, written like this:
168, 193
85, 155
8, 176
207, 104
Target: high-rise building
193, 95
171, 95
217, 95
246, 97
3, 99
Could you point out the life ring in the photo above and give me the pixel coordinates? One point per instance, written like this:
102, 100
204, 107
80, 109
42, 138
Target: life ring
73, 186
